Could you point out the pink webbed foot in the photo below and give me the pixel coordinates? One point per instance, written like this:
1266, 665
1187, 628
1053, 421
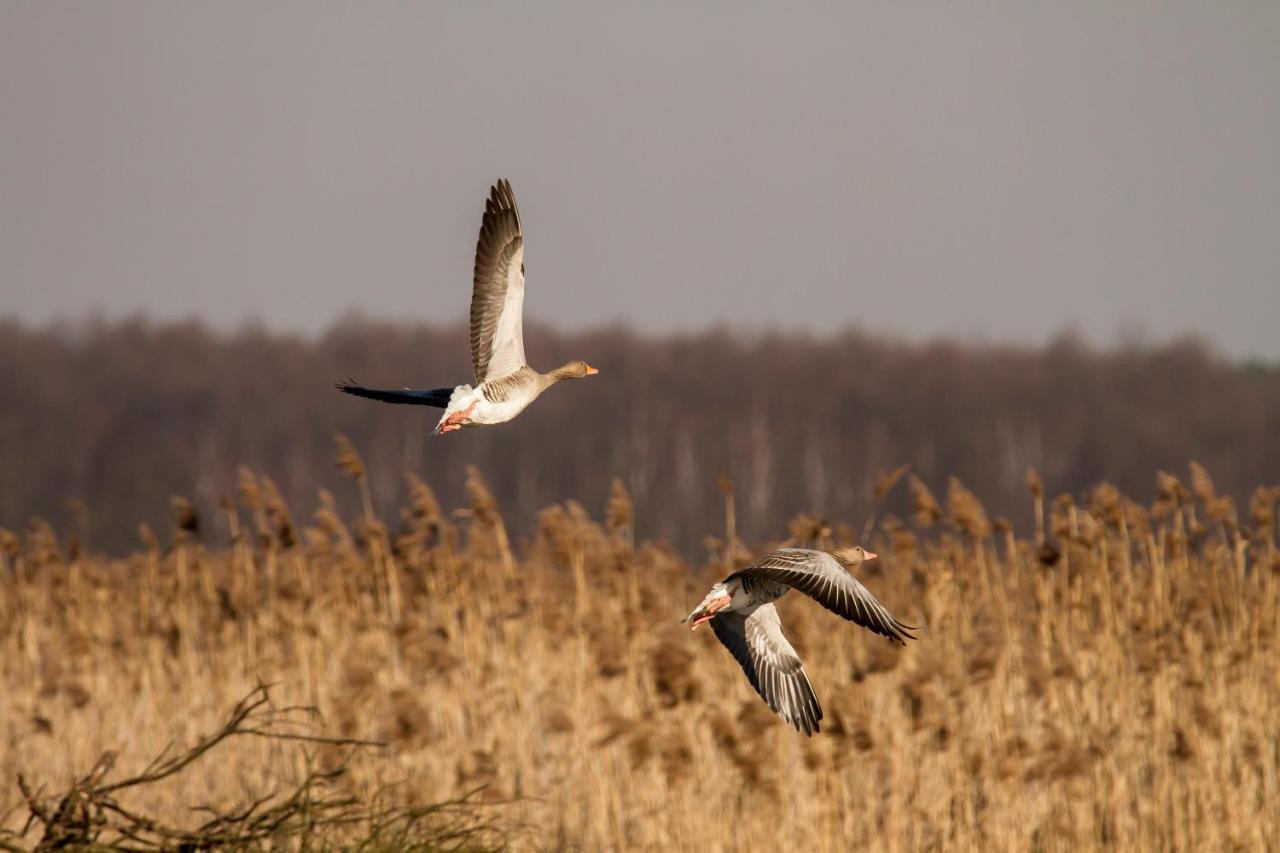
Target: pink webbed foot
457, 419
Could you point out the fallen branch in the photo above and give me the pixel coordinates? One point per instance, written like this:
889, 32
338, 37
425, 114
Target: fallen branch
89, 815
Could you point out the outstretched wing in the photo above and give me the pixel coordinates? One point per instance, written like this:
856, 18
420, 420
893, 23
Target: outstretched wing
438, 397
497, 296
819, 576
771, 664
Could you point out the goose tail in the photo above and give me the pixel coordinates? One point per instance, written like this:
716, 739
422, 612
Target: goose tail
437, 397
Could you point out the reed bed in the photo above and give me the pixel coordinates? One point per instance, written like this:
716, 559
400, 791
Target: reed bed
1109, 681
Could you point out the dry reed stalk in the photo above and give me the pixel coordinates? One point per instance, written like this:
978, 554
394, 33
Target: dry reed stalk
422, 522
966, 514
349, 462
1036, 485
251, 496
395, 594
620, 513
1262, 514
10, 586
10, 553
387, 575
484, 511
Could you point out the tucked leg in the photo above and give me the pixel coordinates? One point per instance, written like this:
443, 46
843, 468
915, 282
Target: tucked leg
458, 418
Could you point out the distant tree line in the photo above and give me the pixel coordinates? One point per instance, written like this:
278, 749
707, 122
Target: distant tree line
101, 424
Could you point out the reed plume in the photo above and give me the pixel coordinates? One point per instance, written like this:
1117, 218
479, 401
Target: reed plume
925, 510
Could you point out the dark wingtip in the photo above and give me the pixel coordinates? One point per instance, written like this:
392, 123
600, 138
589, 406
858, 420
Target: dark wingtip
905, 630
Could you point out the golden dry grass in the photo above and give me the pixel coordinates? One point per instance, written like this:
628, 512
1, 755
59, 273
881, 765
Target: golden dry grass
1114, 684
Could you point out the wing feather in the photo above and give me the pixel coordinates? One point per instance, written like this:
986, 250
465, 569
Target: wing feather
497, 296
771, 664
819, 576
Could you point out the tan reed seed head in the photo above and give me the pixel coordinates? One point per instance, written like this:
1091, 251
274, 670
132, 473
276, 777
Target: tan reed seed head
484, 506
1169, 496
1090, 531
1107, 503
925, 510
148, 537
1171, 487
1035, 483
272, 500
1201, 484
10, 544
423, 509
620, 511
42, 543
1261, 508
1137, 518
328, 520
807, 528
278, 515
348, 458
1221, 508
1060, 516
885, 482
247, 489
965, 512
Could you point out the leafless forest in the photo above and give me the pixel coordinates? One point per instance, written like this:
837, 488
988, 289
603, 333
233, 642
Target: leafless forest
102, 425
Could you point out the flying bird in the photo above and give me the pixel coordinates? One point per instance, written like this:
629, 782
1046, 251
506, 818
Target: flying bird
505, 384
741, 612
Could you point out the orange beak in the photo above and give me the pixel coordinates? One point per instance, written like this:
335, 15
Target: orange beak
591, 371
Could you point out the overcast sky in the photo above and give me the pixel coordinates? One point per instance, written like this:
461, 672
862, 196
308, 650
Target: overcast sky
996, 171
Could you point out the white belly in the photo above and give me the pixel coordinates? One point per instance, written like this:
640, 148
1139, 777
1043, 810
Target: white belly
485, 411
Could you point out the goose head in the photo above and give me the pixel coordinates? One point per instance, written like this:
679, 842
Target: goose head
853, 557
574, 370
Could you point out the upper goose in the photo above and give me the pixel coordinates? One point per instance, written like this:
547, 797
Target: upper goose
741, 612
504, 383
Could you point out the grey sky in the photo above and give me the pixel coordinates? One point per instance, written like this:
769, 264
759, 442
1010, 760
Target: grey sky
993, 170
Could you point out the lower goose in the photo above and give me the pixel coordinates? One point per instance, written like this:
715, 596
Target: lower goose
741, 612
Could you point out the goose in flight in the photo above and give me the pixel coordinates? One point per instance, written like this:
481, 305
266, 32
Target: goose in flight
741, 612
504, 382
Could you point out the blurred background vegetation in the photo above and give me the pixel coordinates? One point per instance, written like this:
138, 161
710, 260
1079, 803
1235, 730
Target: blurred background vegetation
102, 423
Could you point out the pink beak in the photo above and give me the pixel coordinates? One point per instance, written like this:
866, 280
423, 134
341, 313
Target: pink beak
870, 555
